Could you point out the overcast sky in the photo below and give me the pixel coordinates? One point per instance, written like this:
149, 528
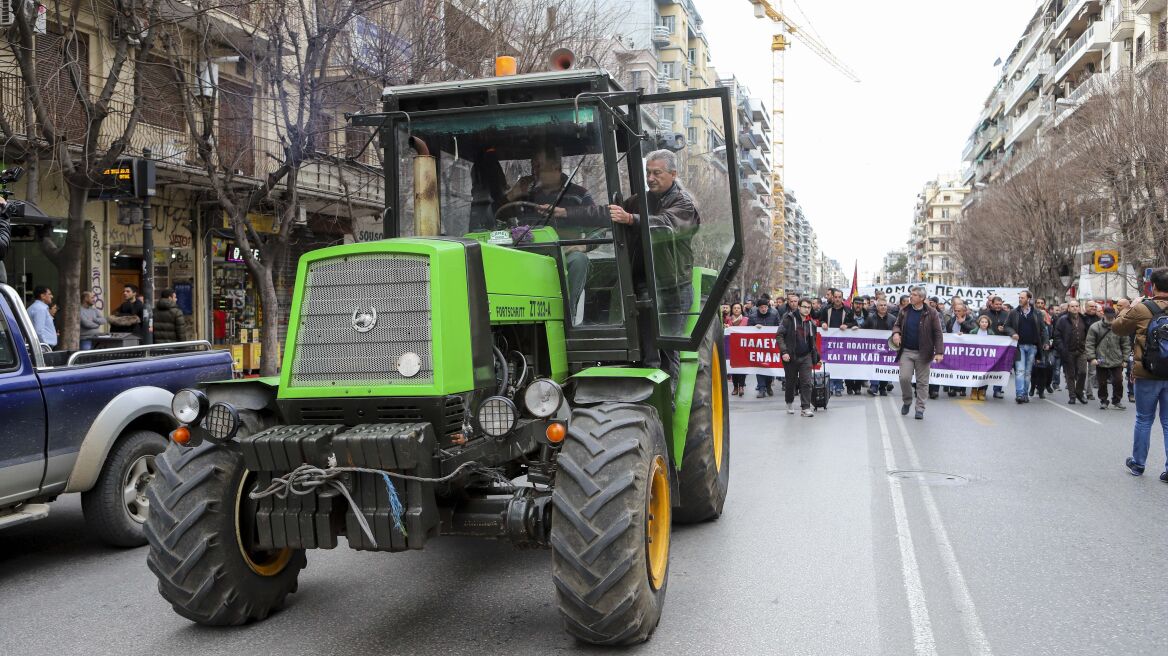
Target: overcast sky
857, 154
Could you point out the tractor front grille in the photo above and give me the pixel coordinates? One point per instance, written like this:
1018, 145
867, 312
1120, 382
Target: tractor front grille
358, 316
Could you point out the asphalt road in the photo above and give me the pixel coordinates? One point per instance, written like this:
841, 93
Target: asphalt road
1032, 539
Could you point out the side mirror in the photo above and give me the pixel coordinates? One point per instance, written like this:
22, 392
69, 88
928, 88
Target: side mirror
671, 141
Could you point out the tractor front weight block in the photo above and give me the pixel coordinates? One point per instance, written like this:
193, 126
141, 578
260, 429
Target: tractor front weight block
315, 520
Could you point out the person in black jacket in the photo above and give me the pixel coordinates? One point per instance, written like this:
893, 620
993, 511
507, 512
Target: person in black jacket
797, 332
998, 314
1026, 326
1070, 338
837, 315
763, 315
880, 318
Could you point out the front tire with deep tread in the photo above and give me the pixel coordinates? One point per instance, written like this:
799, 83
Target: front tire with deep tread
704, 478
194, 549
610, 583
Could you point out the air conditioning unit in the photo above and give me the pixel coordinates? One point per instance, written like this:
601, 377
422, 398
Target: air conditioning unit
7, 13
125, 28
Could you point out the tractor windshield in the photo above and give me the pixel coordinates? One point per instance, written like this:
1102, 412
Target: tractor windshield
505, 170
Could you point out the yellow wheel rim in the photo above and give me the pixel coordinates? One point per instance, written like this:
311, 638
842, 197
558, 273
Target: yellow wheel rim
717, 407
657, 524
264, 563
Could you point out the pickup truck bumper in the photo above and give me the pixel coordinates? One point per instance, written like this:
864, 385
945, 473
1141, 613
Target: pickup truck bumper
315, 520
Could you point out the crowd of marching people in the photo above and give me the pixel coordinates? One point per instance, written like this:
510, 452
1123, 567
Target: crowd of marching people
1058, 345
1115, 353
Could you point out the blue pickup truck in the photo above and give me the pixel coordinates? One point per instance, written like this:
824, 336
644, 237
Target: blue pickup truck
88, 422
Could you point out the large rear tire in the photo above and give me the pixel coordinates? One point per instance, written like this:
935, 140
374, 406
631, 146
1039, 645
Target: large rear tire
200, 532
611, 524
705, 466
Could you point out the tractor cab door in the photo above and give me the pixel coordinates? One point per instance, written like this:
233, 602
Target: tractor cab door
683, 184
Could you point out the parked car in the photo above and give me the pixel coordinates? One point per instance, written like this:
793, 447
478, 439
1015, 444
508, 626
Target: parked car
88, 422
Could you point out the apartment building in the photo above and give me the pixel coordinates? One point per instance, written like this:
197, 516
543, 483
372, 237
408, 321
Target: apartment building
802, 248
1068, 50
195, 252
932, 255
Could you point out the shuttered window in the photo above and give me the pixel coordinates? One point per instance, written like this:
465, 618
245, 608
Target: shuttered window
236, 127
61, 99
162, 97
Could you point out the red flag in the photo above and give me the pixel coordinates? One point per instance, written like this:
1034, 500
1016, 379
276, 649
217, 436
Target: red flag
855, 293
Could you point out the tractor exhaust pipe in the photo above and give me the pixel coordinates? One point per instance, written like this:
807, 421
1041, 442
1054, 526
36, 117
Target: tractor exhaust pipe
427, 213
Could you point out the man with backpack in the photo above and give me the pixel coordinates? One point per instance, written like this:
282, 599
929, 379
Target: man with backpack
1148, 321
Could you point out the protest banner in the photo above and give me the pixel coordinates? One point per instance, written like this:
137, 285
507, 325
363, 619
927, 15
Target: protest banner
970, 360
974, 297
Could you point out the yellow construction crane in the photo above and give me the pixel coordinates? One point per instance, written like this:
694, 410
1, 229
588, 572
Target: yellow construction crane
779, 45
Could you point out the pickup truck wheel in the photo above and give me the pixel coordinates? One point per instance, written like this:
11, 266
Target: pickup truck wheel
611, 524
117, 507
201, 532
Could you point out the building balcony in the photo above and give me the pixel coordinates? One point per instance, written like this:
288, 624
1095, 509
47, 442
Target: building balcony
1028, 123
756, 184
1149, 6
661, 36
1093, 40
665, 124
758, 112
1063, 21
1030, 76
1150, 53
760, 139
1123, 26
663, 85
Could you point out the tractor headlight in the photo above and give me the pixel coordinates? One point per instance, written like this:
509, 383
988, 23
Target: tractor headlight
543, 397
496, 416
189, 405
222, 422
409, 364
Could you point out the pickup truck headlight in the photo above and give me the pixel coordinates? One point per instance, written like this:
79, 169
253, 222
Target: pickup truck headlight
189, 406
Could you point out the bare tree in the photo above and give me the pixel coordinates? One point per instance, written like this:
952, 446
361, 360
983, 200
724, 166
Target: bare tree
1121, 142
1024, 230
83, 115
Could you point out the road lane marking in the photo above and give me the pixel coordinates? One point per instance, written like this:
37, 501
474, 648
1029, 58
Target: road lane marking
970, 409
970, 622
922, 628
1060, 406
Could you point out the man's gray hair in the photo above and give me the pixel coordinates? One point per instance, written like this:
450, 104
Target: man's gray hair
666, 156
920, 290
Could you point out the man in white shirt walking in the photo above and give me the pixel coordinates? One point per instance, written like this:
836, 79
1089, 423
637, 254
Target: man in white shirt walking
42, 319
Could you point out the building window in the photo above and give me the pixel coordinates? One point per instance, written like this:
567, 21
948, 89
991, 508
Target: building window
691, 135
945, 229
945, 198
665, 70
667, 21
945, 213
693, 56
635, 79
669, 113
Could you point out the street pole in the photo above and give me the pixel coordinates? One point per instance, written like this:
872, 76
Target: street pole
147, 267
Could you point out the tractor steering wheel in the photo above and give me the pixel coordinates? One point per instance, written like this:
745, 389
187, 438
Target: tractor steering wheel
517, 208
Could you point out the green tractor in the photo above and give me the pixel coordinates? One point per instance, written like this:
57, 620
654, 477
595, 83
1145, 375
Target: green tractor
533, 354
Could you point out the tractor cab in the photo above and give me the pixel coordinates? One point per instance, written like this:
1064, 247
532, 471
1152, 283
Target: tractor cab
535, 162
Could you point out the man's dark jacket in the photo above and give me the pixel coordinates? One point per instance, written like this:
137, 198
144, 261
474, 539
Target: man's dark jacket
1065, 339
932, 341
997, 319
771, 318
830, 317
170, 325
877, 322
789, 334
967, 326
673, 222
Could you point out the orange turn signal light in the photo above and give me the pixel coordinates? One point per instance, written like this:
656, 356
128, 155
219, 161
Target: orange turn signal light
556, 433
181, 435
